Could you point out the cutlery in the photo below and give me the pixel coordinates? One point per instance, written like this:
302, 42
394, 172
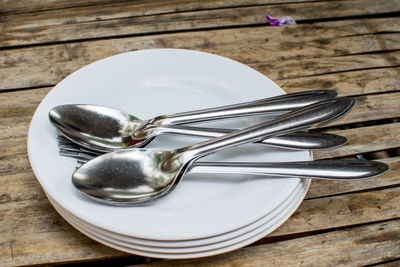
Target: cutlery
304, 140
136, 176
321, 169
105, 129
298, 140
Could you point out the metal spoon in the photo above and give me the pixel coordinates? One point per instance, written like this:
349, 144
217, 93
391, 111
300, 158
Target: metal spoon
104, 129
322, 169
136, 176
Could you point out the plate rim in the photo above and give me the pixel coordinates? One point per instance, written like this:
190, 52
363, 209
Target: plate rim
300, 189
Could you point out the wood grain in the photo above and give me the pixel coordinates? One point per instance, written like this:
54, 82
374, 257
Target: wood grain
394, 263
346, 83
15, 169
363, 140
15, 122
131, 19
369, 108
356, 82
358, 246
343, 210
295, 68
40, 221
146, 7
16, 117
351, 46
310, 54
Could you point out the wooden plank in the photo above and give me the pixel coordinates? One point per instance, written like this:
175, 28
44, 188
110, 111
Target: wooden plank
358, 246
88, 11
394, 263
382, 25
20, 105
347, 83
343, 210
26, 190
333, 54
22, 6
321, 188
15, 170
294, 68
363, 140
13, 165
79, 250
17, 109
370, 108
313, 215
15, 123
13, 142
16, 162
113, 21
27, 219
54, 247
151, 7
308, 55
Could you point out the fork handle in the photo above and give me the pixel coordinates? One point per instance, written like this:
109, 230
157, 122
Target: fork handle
294, 121
273, 105
298, 140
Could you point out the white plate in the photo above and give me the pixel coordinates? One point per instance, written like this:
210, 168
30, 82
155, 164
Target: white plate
206, 251
234, 237
148, 83
193, 242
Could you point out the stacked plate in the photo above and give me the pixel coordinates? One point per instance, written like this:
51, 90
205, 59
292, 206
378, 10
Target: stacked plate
205, 214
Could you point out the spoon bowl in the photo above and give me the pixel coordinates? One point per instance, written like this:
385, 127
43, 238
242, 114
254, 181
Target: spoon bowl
96, 126
144, 177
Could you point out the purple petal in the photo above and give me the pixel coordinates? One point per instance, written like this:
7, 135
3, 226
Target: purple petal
279, 22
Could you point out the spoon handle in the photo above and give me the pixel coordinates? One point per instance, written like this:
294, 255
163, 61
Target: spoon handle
277, 104
298, 140
291, 122
320, 169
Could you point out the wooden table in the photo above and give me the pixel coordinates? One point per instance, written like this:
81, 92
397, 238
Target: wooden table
350, 46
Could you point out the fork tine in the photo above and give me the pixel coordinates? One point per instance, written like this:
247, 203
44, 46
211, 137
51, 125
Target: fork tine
69, 149
77, 155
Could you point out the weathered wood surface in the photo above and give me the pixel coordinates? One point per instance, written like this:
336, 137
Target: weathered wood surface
26, 195
351, 46
393, 263
128, 19
358, 246
25, 222
314, 52
16, 113
363, 140
144, 7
